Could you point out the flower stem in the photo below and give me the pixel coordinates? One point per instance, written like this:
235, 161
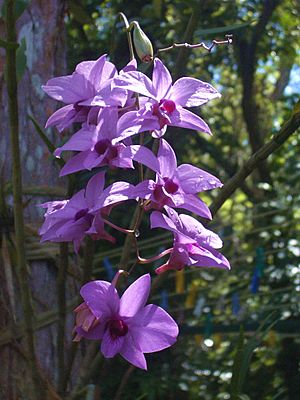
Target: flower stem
155, 258
129, 39
88, 259
17, 194
118, 228
61, 299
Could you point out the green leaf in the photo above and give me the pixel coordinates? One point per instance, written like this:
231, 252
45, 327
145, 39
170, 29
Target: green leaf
21, 61
243, 355
79, 13
236, 369
223, 29
157, 6
46, 140
20, 7
296, 109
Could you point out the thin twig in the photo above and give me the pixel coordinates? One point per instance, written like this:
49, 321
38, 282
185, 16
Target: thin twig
124, 381
214, 43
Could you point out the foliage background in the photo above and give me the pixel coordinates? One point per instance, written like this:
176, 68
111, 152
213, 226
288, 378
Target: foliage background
259, 79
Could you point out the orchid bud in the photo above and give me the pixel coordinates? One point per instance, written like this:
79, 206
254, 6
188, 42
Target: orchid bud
142, 44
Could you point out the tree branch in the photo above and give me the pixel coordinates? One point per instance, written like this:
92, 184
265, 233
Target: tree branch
247, 54
257, 158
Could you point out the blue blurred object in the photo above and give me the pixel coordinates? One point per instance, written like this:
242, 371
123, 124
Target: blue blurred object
164, 302
236, 303
108, 268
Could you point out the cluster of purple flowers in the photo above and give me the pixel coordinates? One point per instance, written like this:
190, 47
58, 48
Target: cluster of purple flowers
104, 102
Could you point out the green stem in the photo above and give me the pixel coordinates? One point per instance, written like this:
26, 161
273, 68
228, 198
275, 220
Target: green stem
124, 382
61, 298
136, 221
88, 259
17, 194
127, 26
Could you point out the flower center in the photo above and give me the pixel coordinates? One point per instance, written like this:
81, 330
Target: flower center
101, 146
167, 105
162, 110
81, 213
117, 328
170, 186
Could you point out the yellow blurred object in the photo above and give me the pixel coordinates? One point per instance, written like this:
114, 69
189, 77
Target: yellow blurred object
198, 339
271, 338
180, 281
191, 297
217, 338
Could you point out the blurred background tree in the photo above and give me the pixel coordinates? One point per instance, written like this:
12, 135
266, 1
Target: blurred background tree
258, 77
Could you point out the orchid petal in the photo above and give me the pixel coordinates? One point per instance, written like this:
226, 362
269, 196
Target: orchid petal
111, 346
161, 78
136, 82
131, 66
95, 333
194, 180
57, 118
167, 159
107, 123
109, 71
94, 188
194, 204
190, 121
144, 189
101, 297
93, 160
142, 155
75, 164
80, 141
194, 229
204, 257
95, 73
132, 123
153, 329
132, 354
135, 297
159, 220
115, 193
191, 92
69, 89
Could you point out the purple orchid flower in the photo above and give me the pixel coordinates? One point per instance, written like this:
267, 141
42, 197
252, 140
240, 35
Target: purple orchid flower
193, 244
174, 186
84, 92
164, 104
125, 325
70, 220
96, 148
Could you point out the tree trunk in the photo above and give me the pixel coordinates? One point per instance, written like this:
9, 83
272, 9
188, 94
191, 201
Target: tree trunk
41, 29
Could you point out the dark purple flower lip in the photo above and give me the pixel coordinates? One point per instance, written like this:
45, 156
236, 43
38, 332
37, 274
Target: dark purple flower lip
170, 186
101, 146
167, 105
117, 328
81, 213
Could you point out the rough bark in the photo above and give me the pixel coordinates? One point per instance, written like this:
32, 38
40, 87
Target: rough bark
41, 27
